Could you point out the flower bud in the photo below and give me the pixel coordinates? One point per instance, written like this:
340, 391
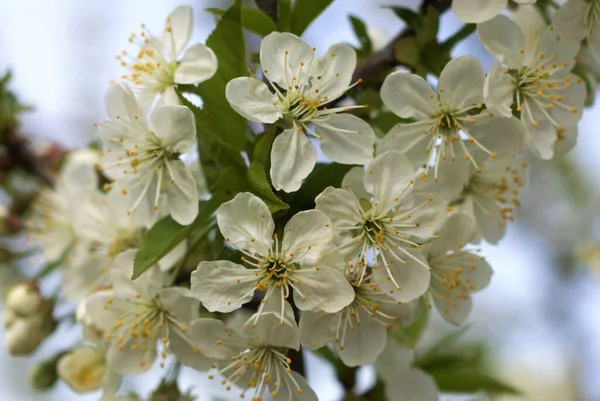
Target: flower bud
25, 334
43, 375
24, 299
9, 317
84, 369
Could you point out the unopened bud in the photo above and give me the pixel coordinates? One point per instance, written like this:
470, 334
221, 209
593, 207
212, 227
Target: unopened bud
9, 317
24, 299
84, 369
43, 375
25, 334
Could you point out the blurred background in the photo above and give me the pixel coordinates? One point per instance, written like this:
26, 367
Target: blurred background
539, 319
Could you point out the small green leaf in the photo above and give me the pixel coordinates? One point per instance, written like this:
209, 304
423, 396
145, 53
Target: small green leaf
257, 178
166, 234
305, 12
360, 30
228, 43
252, 19
408, 51
257, 171
216, 155
284, 15
457, 381
429, 26
407, 15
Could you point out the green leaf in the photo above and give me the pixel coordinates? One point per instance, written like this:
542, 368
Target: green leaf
407, 15
284, 15
305, 12
215, 154
166, 234
257, 178
429, 26
257, 171
252, 19
228, 43
457, 381
408, 51
360, 30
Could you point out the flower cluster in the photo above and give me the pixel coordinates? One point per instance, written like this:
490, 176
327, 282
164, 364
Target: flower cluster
239, 289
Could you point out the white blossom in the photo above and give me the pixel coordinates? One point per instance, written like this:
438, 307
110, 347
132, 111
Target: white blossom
163, 62
481, 10
359, 331
535, 81
491, 197
402, 381
578, 20
274, 266
136, 315
144, 158
450, 124
55, 210
377, 216
84, 369
255, 358
304, 85
456, 271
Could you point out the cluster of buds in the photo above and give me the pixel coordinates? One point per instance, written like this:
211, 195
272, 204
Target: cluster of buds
27, 318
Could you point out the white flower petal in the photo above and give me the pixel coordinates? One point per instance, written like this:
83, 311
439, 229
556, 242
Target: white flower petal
101, 317
181, 23
175, 126
321, 289
408, 269
499, 135
389, 177
317, 328
428, 213
307, 235
270, 327
207, 332
504, 40
127, 361
120, 102
198, 64
222, 286
408, 96
281, 55
346, 139
477, 10
541, 137
452, 309
168, 97
568, 20
567, 141
498, 91
246, 223
402, 382
293, 157
335, 69
147, 285
353, 181
306, 392
457, 232
461, 83
184, 351
182, 193
409, 140
362, 345
341, 206
453, 177
181, 303
253, 100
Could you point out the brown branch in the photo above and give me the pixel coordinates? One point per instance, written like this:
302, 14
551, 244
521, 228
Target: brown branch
385, 58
